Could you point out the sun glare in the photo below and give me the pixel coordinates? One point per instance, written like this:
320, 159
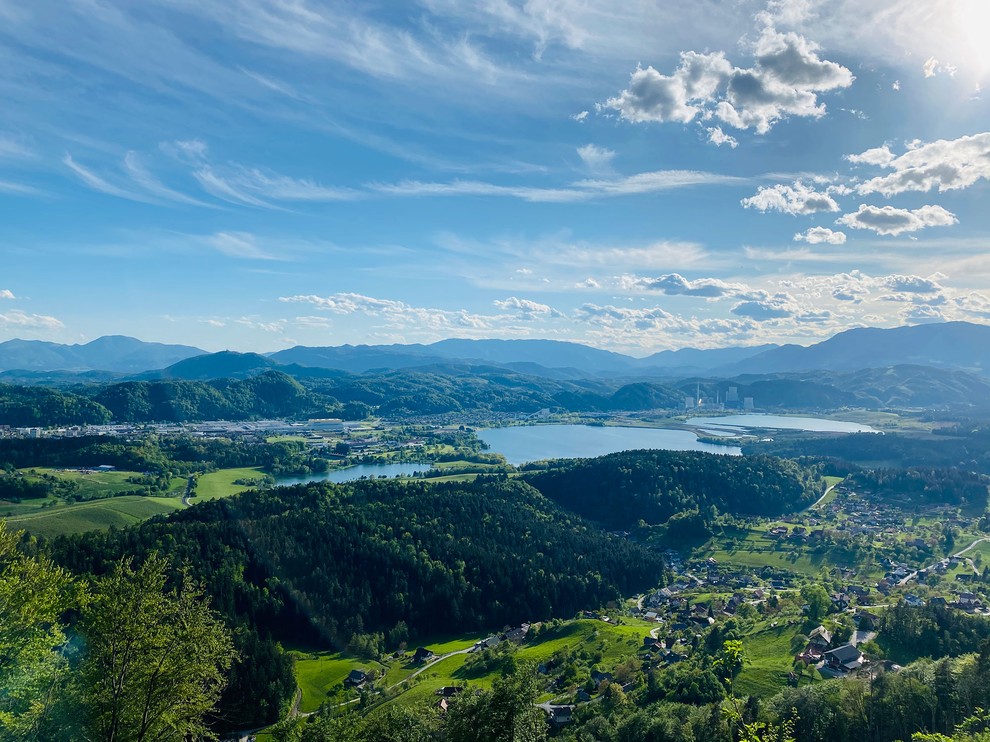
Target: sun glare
973, 19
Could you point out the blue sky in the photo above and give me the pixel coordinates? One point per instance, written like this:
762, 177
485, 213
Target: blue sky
255, 174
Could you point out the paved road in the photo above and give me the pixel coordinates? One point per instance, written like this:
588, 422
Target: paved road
958, 554
814, 506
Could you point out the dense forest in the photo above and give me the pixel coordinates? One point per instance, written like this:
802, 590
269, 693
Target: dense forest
433, 558
161, 455
622, 489
926, 486
960, 446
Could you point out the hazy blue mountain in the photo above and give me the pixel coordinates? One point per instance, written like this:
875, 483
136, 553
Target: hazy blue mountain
547, 353
115, 353
689, 361
959, 345
358, 358
225, 364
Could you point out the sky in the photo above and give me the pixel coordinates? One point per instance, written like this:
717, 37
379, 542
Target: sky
638, 176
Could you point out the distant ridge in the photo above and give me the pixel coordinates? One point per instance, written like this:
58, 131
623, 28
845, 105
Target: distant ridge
115, 353
958, 345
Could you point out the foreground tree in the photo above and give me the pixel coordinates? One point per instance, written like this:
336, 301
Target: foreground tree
155, 661
33, 595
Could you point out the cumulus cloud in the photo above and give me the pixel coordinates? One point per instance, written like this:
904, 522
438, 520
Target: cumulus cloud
674, 284
527, 308
718, 137
974, 304
946, 164
595, 157
820, 235
785, 80
778, 306
881, 156
887, 220
430, 321
647, 322
16, 319
588, 283
6, 294
790, 199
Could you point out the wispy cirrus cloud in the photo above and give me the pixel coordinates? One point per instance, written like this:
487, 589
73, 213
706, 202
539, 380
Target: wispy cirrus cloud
581, 190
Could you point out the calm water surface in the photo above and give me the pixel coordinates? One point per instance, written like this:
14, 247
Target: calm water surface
356, 472
781, 422
535, 442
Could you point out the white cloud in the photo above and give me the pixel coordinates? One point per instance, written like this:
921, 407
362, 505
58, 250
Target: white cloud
580, 116
97, 183
718, 137
881, 156
820, 235
588, 283
794, 200
430, 321
18, 189
674, 284
527, 308
6, 294
779, 306
16, 319
596, 158
974, 303
237, 245
581, 190
887, 220
785, 80
930, 67
143, 178
12, 148
944, 164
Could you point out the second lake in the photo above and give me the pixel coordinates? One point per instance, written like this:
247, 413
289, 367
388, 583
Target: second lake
535, 442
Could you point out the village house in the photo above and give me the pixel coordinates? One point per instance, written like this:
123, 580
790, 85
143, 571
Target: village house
844, 659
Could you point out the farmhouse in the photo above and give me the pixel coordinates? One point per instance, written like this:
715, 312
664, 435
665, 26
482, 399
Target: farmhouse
844, 659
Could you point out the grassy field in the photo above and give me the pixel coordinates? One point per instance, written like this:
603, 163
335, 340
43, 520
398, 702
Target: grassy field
320, 675
93, 485
93, 515
769, 658
221, 483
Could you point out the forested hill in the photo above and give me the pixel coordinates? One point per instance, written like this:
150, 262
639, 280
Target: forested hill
383, 562
622, 489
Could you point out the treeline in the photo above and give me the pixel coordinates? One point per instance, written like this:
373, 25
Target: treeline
926, 485
933, 630
120, 656
324, 563
967, 450
622, 489
161, 455
33, 406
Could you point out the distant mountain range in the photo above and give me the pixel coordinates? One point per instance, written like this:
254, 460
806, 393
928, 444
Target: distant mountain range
114, 353
960, 346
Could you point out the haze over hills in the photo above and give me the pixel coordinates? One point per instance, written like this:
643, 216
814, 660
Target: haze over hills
115, 353
953, 345
960, 345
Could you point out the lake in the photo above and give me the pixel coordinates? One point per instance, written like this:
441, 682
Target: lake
356, 472
736, 423
534, 442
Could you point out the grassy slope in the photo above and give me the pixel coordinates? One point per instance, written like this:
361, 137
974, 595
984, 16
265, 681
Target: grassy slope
221, 483
95, 485
94, 515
